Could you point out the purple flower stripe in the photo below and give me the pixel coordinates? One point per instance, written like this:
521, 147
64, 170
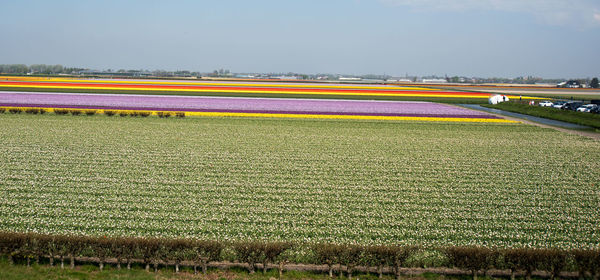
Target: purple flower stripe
242, 105
251, 111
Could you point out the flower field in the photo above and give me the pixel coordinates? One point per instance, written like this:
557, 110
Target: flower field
367, 182
233, 88
250, 107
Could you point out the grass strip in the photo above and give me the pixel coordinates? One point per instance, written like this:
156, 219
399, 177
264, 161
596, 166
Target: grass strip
90, 271
587, 119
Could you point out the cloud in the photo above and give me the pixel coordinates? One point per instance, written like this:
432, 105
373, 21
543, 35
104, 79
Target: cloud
583, 13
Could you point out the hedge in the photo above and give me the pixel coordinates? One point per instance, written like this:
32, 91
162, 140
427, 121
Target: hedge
25, 247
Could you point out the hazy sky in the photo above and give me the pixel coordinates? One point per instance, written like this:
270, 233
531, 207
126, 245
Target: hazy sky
504, 38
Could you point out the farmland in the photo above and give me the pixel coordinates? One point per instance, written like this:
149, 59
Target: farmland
369, 182
241, 89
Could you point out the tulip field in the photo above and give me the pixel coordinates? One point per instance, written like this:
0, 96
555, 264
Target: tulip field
248, 88
342, 181
227, 87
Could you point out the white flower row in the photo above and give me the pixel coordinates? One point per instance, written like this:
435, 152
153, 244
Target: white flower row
371, 183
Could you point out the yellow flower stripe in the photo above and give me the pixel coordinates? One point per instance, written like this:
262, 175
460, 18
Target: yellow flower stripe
466, 95
346, 117
295, 116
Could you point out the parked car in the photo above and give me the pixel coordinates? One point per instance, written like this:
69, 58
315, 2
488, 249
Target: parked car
546, 103
586, 108
573, 105
595, 110
559, 104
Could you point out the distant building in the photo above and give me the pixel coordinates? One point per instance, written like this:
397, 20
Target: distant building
399, 80
115, 74
434, 81
497, 98
286, 77
570, 84
373, 81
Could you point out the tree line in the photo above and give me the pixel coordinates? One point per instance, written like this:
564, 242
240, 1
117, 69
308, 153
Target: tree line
37, 69
345, 258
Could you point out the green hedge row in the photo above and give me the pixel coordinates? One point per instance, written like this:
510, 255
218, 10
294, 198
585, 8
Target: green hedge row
29, 247
21, 110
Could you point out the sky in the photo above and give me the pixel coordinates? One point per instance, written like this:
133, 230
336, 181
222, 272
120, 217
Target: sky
474, 38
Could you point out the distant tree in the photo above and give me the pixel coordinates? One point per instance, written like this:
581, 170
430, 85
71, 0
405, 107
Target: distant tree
594, 83
55, 69
14, 68
37, 68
